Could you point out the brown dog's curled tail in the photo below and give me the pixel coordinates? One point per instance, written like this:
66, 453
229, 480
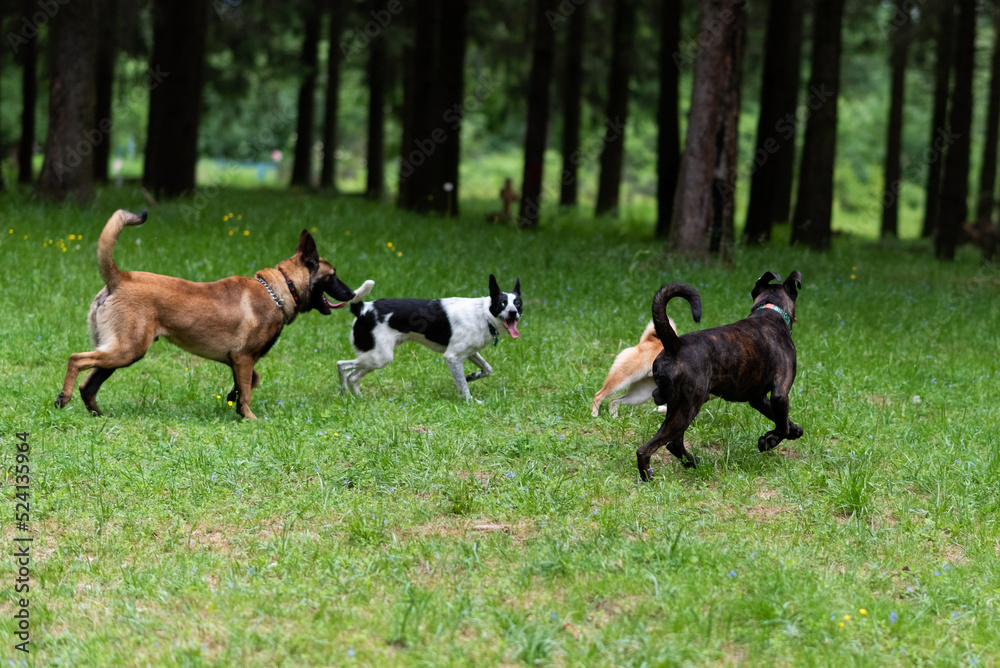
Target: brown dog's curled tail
668, 337
106, 244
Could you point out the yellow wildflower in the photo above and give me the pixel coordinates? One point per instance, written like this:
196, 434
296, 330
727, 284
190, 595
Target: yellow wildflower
246, 233
230, 233
230, 403
388, 244
399, 254
863, 611
239, 217
847, 618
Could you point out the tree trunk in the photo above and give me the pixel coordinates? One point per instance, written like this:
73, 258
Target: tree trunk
107, 51
68, 168
177, 71
784, 160
706, 185
404, 196
814, 205
893, 184
571, 106
302, 165
453, 40
776, 122
375, 188
29, 100
668, 144
420, 164
942, 82
955, 184
538, 114
987, 177
328, 174
612, 158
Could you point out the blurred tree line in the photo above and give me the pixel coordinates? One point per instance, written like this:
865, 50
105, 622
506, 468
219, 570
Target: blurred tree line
805, 106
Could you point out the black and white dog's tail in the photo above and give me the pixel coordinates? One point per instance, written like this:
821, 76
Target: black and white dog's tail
357, 301
666, 333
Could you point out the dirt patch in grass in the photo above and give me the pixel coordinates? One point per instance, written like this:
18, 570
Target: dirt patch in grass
480, 476
766, 513
463, 527
955, 554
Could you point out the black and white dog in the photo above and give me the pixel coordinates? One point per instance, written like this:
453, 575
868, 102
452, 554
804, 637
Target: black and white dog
458, 327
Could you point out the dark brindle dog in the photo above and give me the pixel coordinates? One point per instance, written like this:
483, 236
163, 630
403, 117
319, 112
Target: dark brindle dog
234, 321
742, 361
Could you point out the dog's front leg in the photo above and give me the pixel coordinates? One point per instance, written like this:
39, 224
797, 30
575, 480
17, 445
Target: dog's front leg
243, 374
478, 360
458, 373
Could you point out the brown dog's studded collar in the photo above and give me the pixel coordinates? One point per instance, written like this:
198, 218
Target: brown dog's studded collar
278, 302
291, 286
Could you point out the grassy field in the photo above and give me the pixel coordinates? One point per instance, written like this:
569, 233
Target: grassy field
403, 527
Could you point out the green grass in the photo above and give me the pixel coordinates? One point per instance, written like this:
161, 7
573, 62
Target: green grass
403, 527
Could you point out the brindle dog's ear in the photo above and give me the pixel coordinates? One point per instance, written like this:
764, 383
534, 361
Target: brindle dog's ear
307, 248
494, 286
793, 284
763, 282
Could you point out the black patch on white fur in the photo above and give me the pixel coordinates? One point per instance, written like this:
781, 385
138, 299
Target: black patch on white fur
364, 323
418, 316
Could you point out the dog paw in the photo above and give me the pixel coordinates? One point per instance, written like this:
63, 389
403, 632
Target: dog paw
62, 400
232, 395
768, 441
691, 462
794, 432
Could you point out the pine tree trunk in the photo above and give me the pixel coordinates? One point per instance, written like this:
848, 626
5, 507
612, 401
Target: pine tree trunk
942, 83
775, 131
328, 173
302, 165
177, 75
811, 224
668, 143
420, 164
784, 160
453, 41
894, 139
703, 208
29, 100
407, 122
536, 134
375, 188
988, 173
571, 105
955, 184
68, 168
613, 156
107, 51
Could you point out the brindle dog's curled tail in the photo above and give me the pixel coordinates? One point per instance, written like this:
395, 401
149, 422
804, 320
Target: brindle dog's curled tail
664, 331
106, 244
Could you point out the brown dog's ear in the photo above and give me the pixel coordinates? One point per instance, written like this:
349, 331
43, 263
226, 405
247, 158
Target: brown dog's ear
793, 284
307, 248
763, 282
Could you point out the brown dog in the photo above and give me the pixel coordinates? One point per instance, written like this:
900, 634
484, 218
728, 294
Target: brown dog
743, 361
234, 321
632, 370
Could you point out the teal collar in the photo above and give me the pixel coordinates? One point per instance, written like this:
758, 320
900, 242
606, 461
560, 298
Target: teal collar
781, 312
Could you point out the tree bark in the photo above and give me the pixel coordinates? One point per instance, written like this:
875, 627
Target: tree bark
784, 160
543, 54
703, 207
404, 196
107, 51
942, 83
328, 173
302, 165
988, 173
571, 105
420, 164
668, 148
814, 205
375, 189
29, 100
68, 168
453, 41
894, 139
177, 75
612, 158
776, 122
955, 184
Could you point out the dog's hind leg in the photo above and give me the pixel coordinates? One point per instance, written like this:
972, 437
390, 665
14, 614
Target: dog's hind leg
478, 360
105, 360
639, 393
344, 370
671, 434
89, 388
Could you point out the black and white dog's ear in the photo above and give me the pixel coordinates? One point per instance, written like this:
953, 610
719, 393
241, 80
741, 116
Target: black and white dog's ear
517, 286
763, 282
307, 247
494, 287
793, 284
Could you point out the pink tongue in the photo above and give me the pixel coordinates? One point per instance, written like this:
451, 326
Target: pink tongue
512, 328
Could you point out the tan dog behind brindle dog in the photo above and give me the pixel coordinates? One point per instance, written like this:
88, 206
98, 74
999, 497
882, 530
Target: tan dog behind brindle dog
234, 321
632, 370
